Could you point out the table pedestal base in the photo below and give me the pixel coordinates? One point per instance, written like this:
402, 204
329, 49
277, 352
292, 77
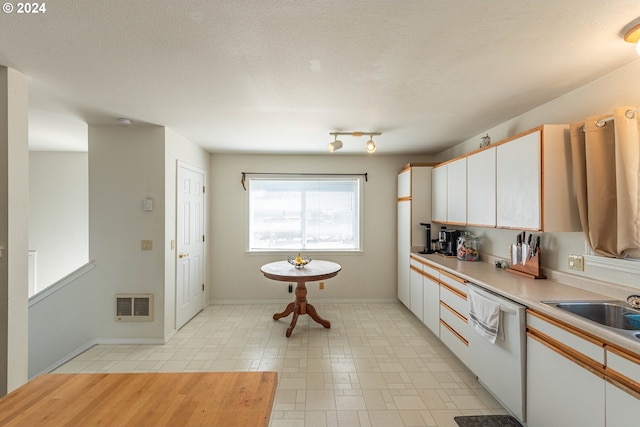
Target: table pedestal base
298, 307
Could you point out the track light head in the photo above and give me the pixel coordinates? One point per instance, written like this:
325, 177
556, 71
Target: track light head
371, 146
335, 145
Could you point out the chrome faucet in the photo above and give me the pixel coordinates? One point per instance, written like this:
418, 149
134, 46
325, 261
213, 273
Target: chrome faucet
634, 301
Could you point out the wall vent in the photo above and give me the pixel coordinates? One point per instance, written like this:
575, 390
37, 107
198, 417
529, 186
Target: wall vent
134, 307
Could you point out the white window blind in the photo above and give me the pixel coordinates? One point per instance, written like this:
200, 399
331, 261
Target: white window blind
291, 213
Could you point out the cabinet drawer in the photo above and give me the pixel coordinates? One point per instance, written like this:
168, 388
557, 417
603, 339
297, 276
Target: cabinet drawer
430, 271
417, 265
566, 336
454, 320
624, 369
454, 282
456, 344
454, 301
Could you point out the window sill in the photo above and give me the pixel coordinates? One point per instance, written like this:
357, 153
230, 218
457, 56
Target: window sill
306, 252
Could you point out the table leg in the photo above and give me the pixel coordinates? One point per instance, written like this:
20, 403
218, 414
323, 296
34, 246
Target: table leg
311, 311
298, 307
287, 311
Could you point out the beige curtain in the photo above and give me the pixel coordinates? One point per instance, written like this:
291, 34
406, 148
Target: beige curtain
606, 168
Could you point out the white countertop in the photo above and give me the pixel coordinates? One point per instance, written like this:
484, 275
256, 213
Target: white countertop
530, 293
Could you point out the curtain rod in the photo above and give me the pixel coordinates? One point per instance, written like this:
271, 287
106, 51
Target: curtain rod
629, 114
244, 175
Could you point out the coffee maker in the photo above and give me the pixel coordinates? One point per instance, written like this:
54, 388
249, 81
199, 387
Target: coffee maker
427, 239
448, 241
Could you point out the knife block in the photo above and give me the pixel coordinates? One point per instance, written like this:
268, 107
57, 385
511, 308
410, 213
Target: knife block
531, 267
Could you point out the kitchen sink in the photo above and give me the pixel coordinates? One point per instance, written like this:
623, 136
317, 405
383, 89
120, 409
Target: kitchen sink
617, 315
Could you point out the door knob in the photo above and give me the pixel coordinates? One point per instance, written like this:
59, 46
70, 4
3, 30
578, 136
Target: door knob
182, 255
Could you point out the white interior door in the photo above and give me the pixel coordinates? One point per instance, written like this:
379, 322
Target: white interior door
190, 243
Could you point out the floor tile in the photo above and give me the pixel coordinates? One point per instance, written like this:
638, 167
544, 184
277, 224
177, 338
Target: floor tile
377, 366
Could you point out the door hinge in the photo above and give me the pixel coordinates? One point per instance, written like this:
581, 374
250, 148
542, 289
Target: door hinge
203, 237
203, 189
203, 287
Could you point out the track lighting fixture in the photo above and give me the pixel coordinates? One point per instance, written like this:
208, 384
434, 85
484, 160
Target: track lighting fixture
337, 144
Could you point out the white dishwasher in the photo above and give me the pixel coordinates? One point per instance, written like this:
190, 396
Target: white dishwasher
500, 367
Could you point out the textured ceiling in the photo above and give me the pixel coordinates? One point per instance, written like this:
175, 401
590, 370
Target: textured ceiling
278, 76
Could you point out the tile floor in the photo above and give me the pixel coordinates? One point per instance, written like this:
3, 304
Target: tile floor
377, 366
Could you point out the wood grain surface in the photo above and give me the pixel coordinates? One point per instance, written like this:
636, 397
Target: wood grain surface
211, 399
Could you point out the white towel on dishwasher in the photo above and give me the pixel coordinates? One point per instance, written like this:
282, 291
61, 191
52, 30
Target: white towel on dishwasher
484, 316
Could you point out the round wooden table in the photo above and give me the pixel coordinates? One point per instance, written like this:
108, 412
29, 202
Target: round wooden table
314, 271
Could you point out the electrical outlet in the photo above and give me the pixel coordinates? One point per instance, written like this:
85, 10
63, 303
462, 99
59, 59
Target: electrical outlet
321, 285
576, 262
146, 245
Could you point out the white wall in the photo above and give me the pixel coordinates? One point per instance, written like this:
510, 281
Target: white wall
178, 148
126, 165
58, 213
618, 88
371, 275
14, 227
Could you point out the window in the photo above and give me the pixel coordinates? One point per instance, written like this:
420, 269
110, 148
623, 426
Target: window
304, 214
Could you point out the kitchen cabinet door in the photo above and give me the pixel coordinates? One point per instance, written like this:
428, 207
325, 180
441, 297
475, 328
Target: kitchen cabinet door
534, 181
416, 298
457, 192
404, 251
481, 188
431, 297
404, 183
620, 404
518, 183
621, 400
560, 392
439, 194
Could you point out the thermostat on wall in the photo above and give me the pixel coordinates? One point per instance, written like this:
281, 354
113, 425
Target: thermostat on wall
147, 205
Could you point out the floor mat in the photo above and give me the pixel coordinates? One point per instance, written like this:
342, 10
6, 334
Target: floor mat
487, 421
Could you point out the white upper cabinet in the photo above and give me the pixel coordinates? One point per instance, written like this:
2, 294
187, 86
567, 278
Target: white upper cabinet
518, 188
404, 183
449, 192
534, 185
439, 194
457, 192
481, 188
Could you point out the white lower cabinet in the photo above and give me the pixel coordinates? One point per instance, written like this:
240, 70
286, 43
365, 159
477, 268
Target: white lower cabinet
425, 294
620, 404
560, 392
416, 299
431, 293
565, 375
404, 250
622, 389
